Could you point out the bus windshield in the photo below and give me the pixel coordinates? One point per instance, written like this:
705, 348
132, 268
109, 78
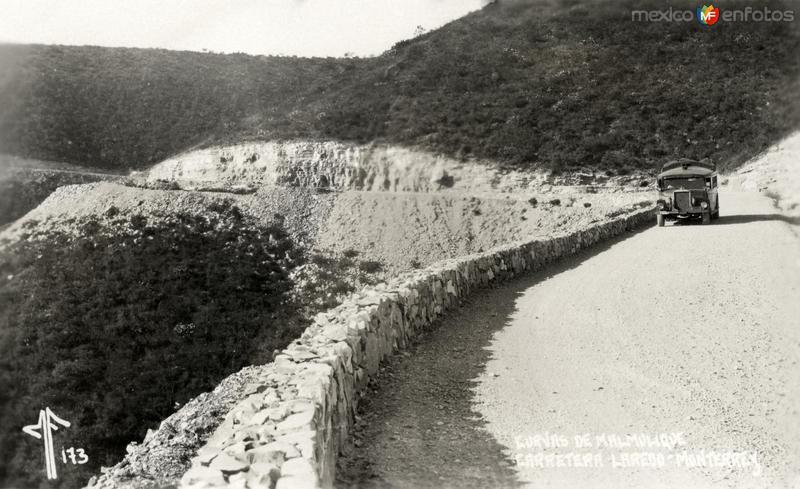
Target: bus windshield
689, 183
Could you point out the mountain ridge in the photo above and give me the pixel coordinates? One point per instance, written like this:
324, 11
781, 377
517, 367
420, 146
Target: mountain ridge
530, 84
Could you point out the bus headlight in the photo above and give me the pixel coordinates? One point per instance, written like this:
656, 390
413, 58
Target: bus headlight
704, 204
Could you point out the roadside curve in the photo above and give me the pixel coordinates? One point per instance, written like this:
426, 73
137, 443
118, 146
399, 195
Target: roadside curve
687, 330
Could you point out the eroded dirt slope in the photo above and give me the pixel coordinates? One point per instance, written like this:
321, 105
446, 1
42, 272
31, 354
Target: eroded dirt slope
405, 230
401, 230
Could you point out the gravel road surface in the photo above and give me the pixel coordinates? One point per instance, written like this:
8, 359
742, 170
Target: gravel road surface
672, 355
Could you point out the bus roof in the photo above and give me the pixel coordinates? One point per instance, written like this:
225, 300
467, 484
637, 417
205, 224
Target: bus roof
687, 167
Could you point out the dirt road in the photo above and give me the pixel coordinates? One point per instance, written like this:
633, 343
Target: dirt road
687, 337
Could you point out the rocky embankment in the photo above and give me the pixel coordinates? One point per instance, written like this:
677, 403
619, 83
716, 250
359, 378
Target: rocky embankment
400, 207
775, 173
342, 166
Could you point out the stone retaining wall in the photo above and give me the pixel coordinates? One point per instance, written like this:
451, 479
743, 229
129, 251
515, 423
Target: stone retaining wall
289, 431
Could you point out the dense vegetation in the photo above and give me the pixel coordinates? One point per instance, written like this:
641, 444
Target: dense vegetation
524, 82
114, 327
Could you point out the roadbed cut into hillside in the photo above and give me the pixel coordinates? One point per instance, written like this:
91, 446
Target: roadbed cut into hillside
685, 329
24, 183
419, 427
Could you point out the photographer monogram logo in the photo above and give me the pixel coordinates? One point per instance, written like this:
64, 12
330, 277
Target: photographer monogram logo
43, 430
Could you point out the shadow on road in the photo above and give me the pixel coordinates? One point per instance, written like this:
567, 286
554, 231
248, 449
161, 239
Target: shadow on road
740, 219
419, 427
747, 218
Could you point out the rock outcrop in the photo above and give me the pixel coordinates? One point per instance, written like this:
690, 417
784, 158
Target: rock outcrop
343, 166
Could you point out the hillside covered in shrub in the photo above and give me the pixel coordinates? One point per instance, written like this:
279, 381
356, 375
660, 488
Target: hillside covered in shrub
114, 326
23, 189
528, 83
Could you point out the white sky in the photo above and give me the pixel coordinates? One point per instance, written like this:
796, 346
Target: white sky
289, 27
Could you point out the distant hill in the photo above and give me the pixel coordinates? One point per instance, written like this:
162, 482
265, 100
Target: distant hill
552, 85
24, 184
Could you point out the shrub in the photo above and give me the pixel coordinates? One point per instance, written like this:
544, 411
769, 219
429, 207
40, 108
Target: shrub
112, 211
533, 202
321, 260
161, 184
112, 328
370, 266
446, 181
555, 202
350, 253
